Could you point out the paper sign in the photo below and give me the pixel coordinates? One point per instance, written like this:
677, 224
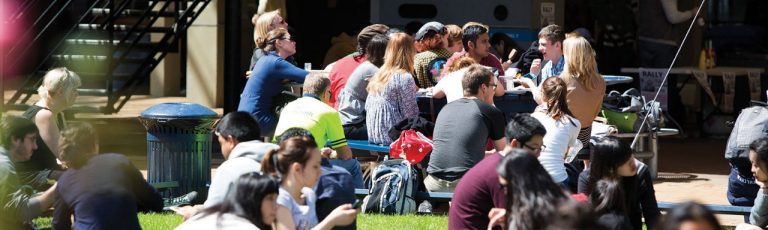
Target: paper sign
650, 82
547, 13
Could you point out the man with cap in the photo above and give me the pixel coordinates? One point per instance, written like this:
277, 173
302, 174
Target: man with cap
428, 64
345, 66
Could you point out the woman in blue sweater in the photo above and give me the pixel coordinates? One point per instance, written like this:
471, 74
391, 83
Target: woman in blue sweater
267, 78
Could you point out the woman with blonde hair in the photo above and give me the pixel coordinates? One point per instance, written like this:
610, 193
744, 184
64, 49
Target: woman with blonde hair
263, 23
269, 73
392, 90
57, 93
586, 87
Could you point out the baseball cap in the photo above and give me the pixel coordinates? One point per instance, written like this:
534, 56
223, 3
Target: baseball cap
429, 26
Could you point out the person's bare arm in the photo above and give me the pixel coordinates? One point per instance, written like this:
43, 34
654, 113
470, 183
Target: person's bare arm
284, 219
500, 85
341, 216
673, 15
49, 132
499, 144
344, 152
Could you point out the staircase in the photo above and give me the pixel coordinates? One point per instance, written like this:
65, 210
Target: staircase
113, 45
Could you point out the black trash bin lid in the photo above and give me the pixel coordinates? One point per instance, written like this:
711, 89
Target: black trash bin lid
175, 110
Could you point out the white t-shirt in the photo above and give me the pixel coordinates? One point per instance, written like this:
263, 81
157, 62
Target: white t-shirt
561, 135
212, 221
304, 216
451, 85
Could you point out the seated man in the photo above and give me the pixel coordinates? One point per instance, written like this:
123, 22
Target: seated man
334, 187
428, 63
551, 40
476, 46
312, 112
462, 129
238, 135
474, 199
19, 204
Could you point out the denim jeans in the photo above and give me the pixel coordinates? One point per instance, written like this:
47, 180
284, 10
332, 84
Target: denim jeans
353, 167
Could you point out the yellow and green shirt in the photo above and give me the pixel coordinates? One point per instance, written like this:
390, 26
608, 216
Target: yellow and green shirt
312, 114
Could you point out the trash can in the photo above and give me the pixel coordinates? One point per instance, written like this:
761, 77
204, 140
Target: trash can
179, 146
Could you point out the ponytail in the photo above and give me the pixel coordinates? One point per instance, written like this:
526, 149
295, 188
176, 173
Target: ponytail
294, 150
268, 165
556, 94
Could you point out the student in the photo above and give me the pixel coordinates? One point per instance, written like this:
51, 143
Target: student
586, 87
100, 190
473, 199
297, 164
252, 204
462, 130
334, 187
450, 86
392, 90
57, 93
612, 159
312, 112
689, 215
19, 204
426, 63
608, 203
343, 68
452, 40
267, 78
532, 196
551, 39
562, 129
352, 98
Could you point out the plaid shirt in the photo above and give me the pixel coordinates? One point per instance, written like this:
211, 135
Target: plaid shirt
421, 65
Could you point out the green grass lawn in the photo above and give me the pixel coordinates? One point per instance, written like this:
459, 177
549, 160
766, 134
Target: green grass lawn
364, 221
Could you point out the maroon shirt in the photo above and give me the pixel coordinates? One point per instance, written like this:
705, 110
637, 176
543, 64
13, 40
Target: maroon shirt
490, 61
478, 191
340, 73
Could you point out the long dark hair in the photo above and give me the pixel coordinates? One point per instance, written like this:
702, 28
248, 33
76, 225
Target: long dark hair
555, 91
608, 197
277, 162
688, 211
532, 195
376, 49
245, 198
609, 154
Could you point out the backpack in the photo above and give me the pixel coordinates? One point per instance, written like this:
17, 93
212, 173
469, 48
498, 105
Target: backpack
393, 185
751, 125
434, 68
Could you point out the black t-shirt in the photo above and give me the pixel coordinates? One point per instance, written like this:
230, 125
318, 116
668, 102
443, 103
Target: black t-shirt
461, 131
107, 192
42, 158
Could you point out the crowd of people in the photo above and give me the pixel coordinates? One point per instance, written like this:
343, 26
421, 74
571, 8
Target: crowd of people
504, 172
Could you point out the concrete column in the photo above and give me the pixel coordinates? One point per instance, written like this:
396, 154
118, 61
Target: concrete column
205, 61
165, 79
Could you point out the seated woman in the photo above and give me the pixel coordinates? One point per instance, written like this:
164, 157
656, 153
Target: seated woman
101, 190
269, 73
450, 85
251, 204
57, 93
532, 197
352, 98
612, 159
392, 91
297, 164
562, 130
